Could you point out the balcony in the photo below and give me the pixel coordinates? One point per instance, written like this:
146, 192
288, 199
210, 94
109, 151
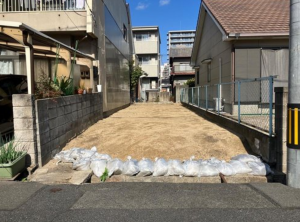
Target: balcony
47, 15
41, 5
183, 69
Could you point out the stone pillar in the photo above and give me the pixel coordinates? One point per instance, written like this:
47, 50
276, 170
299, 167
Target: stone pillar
25, 125
281, 100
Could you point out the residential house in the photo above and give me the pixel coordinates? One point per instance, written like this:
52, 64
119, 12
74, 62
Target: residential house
165, 85
101, 29
180, 44
147, 48
238, 40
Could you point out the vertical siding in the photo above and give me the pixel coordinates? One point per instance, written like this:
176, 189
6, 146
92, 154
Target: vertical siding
212, 46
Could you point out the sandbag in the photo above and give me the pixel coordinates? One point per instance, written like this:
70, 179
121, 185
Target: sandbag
225, 168
130, 167
88, 153
146, 167
240, 167
207, 170
160, 167
82, 164
175, 168
64, 156
102, 156
76, 153
246, 158
258, 168
191, 168
98, 167
114, 167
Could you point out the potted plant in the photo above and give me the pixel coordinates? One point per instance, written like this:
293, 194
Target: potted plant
12, 158
81, 87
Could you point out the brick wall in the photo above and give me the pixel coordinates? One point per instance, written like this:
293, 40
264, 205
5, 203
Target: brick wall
54, 122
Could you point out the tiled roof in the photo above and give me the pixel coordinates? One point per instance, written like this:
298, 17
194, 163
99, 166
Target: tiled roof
251, 16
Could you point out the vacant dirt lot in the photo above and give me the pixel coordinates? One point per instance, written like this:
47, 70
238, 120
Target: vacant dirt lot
159, 130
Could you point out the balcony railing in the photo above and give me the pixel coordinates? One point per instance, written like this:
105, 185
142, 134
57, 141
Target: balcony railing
41, 5
183, 69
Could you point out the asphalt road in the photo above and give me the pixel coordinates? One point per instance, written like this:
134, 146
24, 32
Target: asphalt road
24, 201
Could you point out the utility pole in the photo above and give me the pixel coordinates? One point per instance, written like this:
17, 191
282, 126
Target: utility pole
293, 156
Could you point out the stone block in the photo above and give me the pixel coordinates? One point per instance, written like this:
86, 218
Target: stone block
80, 177
61, 120
23, 112
43, 127
53, 133
246, 178
74, 107
61, 102
42, 115
41, 104
60, 111
62, 140
21, 100
20, 124
25, 135
74, 116
29, 147
52, 113
53, 123
43, 138
68, 109
53, 103
60, 130
31, 159
79, 114
68, 118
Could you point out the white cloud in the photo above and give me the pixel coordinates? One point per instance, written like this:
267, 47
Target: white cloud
164, 2
141, 6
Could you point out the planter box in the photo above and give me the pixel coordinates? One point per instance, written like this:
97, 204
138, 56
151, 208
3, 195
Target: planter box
10, 170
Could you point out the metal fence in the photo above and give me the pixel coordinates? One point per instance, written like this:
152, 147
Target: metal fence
40, 5
247, 101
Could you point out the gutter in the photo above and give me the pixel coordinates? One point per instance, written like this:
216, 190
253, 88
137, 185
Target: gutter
25, 36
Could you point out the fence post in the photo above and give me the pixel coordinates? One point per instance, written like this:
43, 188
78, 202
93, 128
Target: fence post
270, 105
239, 101
198, 96
206, 98
218, 98
192, 96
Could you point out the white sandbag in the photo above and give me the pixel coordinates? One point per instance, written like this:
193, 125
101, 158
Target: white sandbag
240, 167
88, 153
214, 161
207, 169
130, 167
64, 156
225, 168
76, 153
160, 167
114, 166
98, 167
175, 168
82, 164
146, 167
100, 156
246, 158
191, 168
258, 169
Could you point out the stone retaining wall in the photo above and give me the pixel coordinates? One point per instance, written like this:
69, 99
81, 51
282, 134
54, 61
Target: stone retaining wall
45, 126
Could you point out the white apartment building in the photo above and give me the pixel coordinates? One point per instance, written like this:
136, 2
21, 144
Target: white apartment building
147, 48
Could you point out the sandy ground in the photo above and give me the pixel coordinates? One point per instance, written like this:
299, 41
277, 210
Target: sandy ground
159, 130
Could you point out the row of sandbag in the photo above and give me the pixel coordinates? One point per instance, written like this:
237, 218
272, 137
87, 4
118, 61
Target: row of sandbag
83, 159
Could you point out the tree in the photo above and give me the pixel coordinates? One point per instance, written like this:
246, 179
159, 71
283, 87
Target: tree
135, 73
190, 82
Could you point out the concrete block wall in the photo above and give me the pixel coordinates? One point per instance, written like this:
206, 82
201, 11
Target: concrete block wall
25, 125
55, 122
164, 96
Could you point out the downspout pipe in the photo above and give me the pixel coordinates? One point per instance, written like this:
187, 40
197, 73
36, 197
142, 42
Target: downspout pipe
26, 43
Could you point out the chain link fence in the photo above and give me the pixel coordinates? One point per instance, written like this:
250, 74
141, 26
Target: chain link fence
247, 101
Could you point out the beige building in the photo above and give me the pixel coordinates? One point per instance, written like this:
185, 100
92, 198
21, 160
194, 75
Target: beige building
147, 48
230, 46
100, 29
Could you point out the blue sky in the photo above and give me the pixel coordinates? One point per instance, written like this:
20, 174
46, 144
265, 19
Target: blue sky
169, 15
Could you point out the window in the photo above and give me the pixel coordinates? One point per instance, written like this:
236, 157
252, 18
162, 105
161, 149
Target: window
144, 60
198, 77
124, 32
142, 37
208, 72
